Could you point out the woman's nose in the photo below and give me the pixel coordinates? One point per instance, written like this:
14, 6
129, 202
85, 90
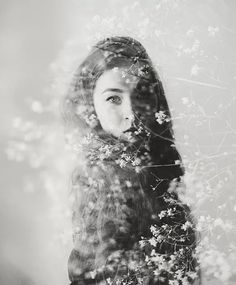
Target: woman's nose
127, 110
130, 117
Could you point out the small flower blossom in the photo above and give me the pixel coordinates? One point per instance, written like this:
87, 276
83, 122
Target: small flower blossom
185, 100
128, 183
142, 243
136, 161
161, 117
212, 30
186, 225
37, 107
152, 241
162, 214
93, 274
195, 70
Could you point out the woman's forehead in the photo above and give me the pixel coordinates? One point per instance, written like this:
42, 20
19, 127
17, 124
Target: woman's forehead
117, 77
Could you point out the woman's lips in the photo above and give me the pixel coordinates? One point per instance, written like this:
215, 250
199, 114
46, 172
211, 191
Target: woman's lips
132, 129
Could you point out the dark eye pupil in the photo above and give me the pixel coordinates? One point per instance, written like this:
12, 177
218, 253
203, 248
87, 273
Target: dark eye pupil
114, 99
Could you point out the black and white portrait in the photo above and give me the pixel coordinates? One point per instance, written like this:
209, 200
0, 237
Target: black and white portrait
118, 147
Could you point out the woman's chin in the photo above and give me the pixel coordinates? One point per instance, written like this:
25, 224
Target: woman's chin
127, 136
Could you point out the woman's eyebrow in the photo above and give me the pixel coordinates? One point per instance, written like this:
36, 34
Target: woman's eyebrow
117, 90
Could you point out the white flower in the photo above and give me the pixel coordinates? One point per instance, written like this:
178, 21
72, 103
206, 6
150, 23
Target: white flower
153, 241
162, 214
121, 162
37, 107
186, 225
153, 229
195, 69
128, 183
136, 161
185, 100
212, 30
161, 117
142, 243
93, 274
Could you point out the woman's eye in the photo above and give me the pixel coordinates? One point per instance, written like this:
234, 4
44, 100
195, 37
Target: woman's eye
114, 99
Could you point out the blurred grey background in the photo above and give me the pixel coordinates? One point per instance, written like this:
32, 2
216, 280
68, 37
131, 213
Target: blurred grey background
193, 45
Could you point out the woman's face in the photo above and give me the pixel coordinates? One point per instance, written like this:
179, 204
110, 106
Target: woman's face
118, 99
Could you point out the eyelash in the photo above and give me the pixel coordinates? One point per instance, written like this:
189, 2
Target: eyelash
114, 100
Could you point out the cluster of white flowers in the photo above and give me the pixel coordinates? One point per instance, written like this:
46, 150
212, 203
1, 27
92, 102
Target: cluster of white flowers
87, 113
161, 117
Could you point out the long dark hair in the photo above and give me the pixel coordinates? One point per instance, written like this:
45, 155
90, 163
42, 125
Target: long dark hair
156, 141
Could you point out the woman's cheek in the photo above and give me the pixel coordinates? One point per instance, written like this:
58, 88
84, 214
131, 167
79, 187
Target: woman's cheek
116, 121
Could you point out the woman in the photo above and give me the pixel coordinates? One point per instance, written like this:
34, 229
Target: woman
129, 225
